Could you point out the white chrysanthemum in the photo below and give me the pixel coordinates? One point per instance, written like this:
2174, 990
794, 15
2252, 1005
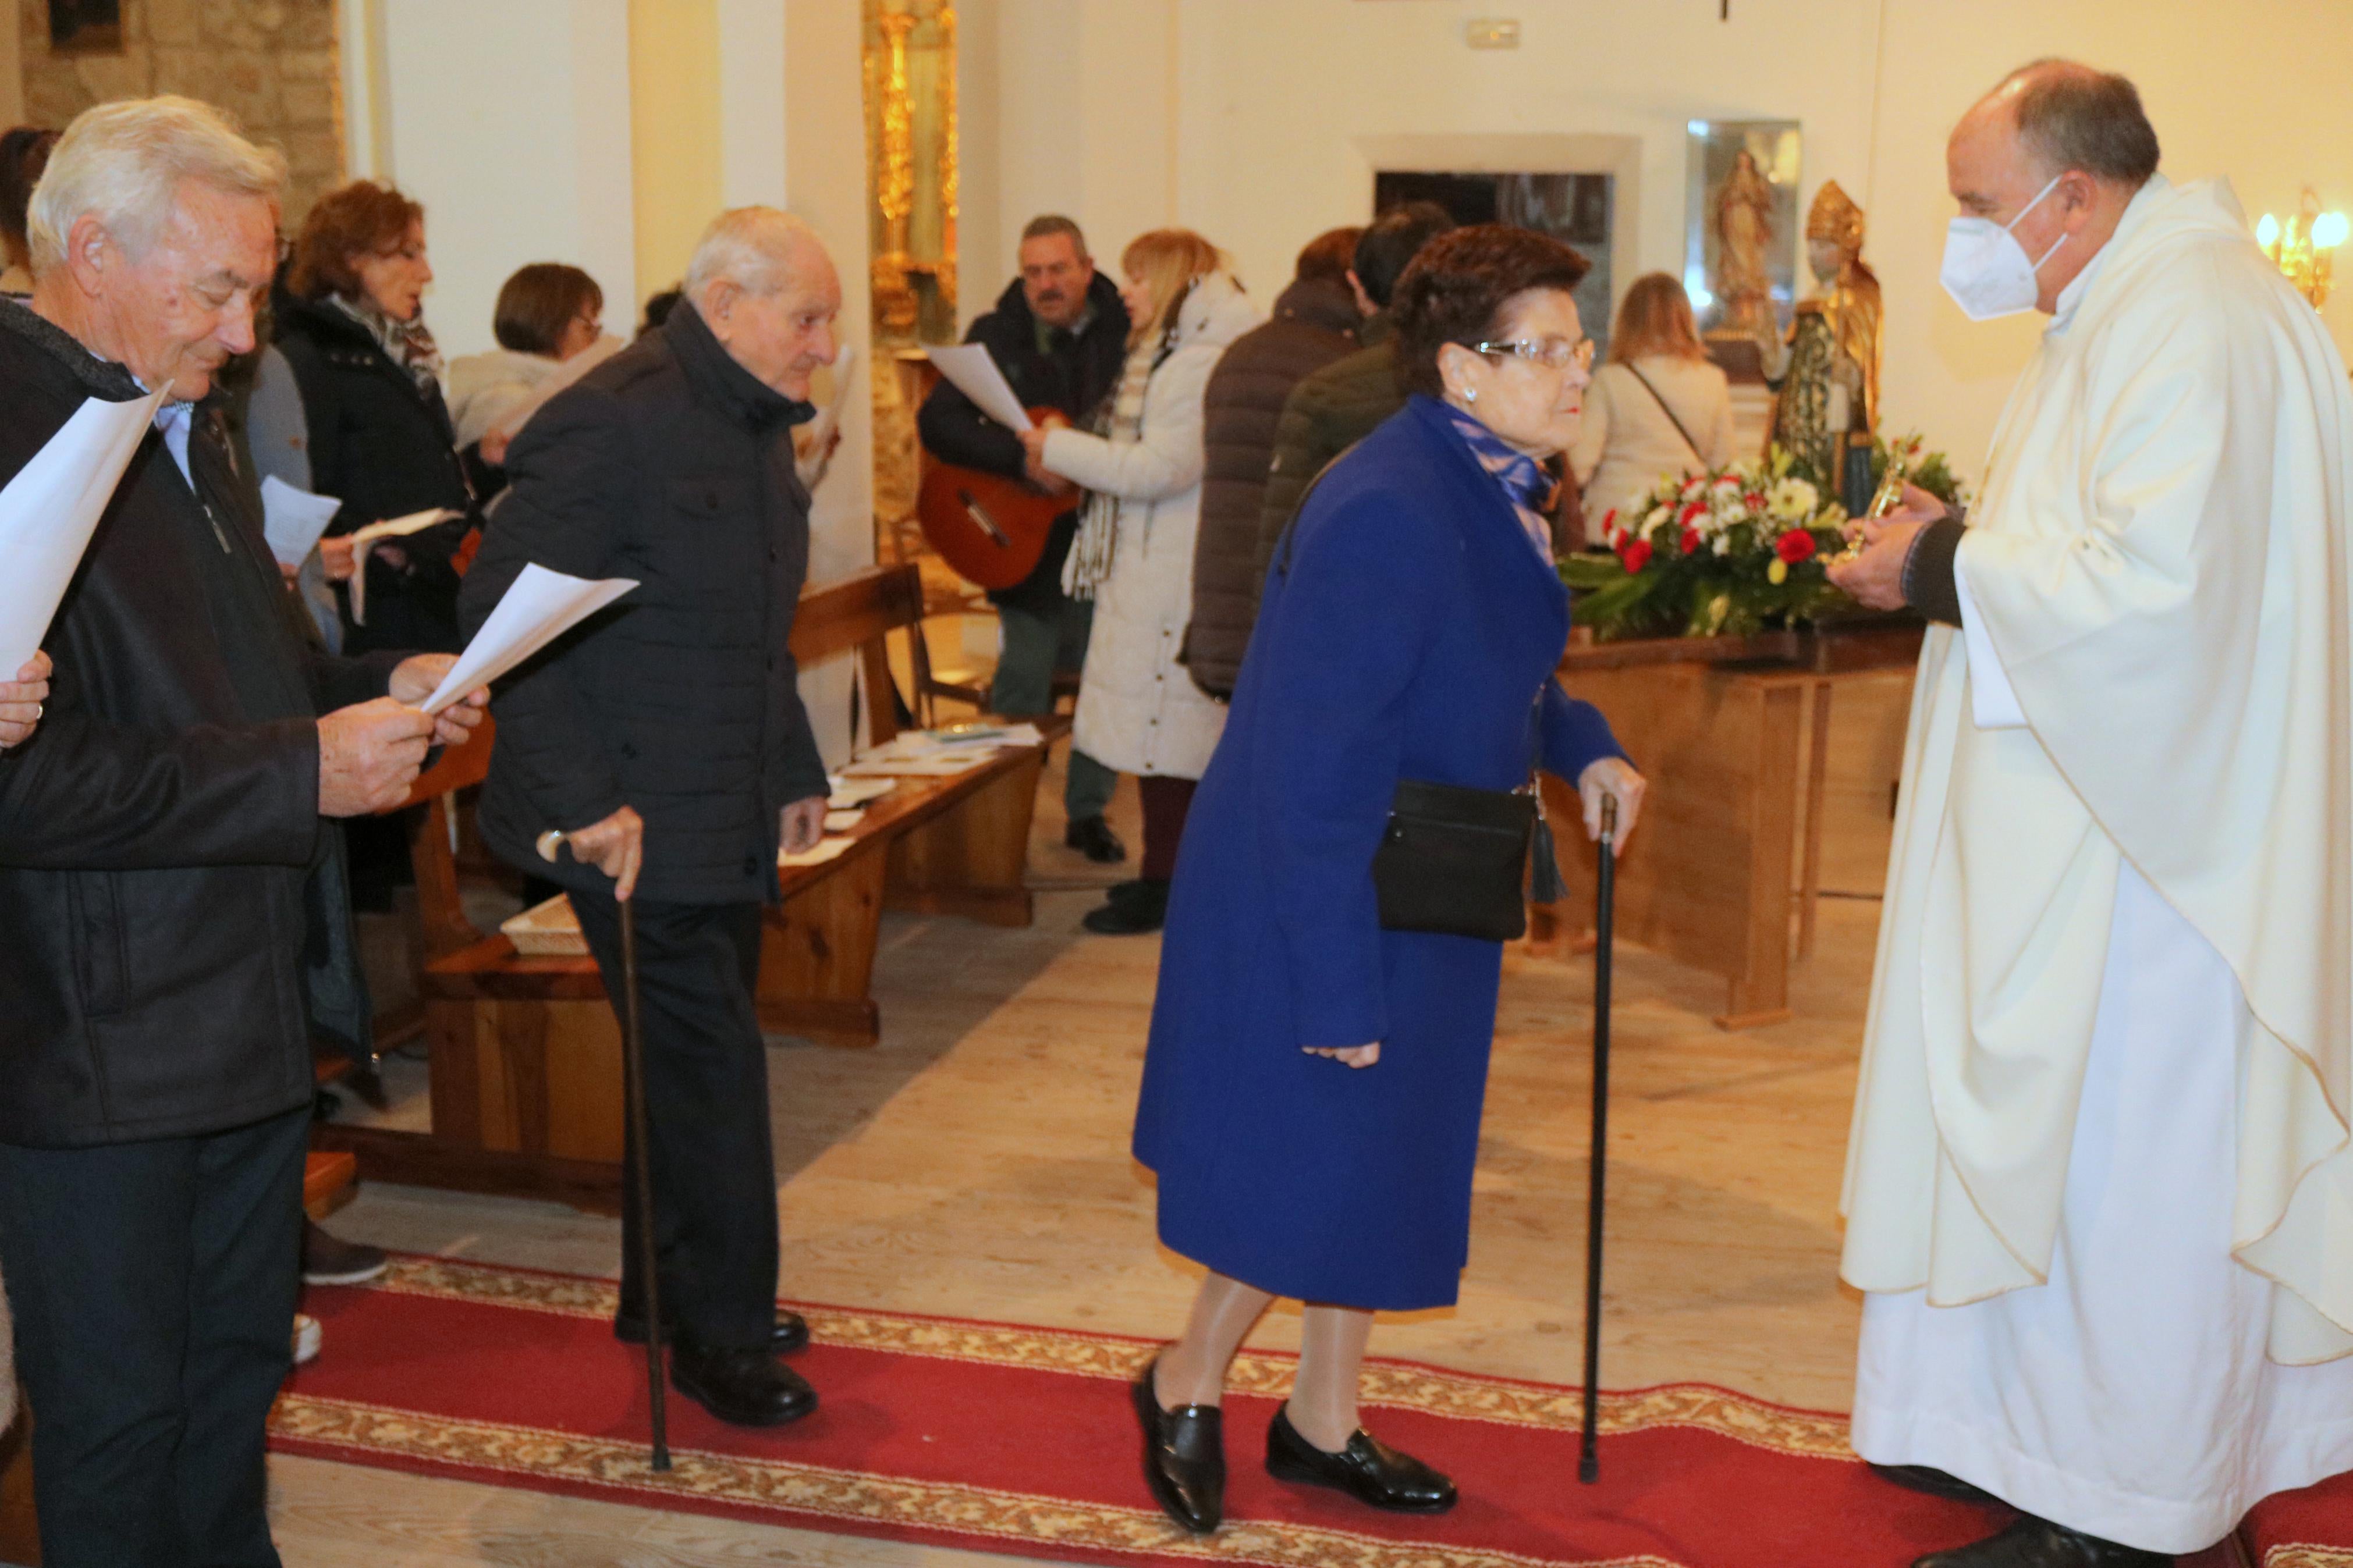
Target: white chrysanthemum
1793, 499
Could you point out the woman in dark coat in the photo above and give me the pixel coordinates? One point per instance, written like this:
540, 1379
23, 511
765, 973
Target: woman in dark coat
381, 440
1313, 1089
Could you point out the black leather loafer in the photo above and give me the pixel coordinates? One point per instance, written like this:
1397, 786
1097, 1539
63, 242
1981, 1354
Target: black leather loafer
1184, 1456
742, 1388
1367, 1469
792, 1330
1092, 837
2033, 1542
1935, 1482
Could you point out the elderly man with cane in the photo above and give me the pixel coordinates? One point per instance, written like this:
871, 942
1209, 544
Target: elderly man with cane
2096, 1190
666, 744
174, 920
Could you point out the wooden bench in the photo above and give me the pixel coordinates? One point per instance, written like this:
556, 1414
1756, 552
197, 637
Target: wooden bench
525, 1056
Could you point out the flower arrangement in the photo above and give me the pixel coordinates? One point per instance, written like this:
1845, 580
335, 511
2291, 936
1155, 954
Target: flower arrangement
1728, 552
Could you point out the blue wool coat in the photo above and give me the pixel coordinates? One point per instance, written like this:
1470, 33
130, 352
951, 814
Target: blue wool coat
1413, 636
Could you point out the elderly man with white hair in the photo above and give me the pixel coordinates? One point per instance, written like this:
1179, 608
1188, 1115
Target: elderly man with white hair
2100, 1189
173, 922
667, 740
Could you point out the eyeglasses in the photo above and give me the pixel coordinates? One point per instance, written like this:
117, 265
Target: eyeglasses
1553, 353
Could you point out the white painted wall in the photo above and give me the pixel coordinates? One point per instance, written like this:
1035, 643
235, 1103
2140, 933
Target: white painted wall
1258, 122
824, 165
510, 123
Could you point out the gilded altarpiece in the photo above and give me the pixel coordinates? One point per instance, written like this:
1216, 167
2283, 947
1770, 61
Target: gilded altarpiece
910, 62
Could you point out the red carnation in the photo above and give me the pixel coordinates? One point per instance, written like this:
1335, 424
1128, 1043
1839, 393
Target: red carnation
1691, 540
1795, 546
1692, 513
1755, 501
1635, 556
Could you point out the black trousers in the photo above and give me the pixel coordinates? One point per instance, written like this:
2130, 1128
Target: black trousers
706, 1111
153, 1285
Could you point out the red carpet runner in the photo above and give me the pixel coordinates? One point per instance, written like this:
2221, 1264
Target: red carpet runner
1020, 1440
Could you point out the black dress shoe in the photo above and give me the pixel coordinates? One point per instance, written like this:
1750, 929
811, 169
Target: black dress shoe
744, 1388
1367, 1469
1133, 914
1092, 837
792, 1331
1935, 1482
2033, 1542
1184, 1456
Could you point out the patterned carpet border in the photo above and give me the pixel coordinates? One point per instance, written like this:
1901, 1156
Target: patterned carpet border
329, 1428
1395, 1385
2308, 1554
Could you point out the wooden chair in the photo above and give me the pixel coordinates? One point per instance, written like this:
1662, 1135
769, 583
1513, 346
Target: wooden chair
525, 1056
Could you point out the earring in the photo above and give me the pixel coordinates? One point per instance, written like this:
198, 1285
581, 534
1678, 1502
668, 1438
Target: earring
1470, 395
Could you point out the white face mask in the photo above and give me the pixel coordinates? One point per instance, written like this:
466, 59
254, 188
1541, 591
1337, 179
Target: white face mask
1986, 269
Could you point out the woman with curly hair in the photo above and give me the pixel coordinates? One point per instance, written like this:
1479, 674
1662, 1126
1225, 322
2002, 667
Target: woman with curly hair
1312, 1086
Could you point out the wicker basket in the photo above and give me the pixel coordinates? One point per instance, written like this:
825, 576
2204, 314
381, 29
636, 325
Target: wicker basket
549, 931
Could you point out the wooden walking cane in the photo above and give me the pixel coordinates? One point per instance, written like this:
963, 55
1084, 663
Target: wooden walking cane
1588, 1461
633, 1094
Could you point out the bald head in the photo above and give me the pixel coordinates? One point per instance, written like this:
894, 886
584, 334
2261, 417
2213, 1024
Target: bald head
2058, 149
2069, 116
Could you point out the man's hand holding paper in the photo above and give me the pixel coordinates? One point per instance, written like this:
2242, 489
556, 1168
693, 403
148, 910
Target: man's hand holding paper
419, 677
369, 754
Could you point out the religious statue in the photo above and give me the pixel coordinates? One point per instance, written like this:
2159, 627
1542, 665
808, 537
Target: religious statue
1827, 370
1743, 234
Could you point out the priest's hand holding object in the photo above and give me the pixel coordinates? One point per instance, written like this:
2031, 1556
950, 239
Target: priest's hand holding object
21, 700
1873, 574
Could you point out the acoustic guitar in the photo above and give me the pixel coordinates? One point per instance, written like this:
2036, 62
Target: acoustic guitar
991, 529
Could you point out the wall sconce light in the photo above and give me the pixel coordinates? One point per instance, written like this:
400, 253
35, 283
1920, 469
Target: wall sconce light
2303, 246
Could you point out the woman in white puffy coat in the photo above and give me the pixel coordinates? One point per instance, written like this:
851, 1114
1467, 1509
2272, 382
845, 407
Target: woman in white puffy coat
1138, 711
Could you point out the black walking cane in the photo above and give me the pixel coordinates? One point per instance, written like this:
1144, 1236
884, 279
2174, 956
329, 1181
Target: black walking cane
1589, 1460
633, 1093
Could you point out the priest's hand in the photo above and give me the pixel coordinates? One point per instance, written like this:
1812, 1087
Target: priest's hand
1348, 1055
1611, 778
1876, 576
369, 754
420, 675
616, 847
800, 825
21, 700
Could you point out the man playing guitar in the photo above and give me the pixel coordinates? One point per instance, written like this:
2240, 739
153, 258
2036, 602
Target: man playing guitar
1059, 334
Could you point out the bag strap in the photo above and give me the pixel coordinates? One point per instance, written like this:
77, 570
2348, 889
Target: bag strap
1669, 413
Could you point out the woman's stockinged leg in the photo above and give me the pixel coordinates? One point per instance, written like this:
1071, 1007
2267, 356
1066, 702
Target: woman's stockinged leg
1193, 1370
1322, 1404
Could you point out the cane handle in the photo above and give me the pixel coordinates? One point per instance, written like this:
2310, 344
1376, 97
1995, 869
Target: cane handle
550, 844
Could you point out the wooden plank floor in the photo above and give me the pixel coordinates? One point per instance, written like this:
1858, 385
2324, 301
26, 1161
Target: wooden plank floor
975, 1163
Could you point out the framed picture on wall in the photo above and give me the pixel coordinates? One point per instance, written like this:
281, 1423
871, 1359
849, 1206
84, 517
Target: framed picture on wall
85, 27
1740, 226
1579, 208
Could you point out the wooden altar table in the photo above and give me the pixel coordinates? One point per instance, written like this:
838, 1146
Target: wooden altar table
1731, 830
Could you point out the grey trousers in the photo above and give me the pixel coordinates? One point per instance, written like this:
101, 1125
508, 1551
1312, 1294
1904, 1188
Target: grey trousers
1036, 645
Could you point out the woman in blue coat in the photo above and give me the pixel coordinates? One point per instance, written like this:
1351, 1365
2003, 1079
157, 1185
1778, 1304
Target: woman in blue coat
1313, 1089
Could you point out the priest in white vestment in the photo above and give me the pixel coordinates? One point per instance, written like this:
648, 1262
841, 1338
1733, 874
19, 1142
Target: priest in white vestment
2098, 1190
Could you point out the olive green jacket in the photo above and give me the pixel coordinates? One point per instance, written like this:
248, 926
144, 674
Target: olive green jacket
1325, 415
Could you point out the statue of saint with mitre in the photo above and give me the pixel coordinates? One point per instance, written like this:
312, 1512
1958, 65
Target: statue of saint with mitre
1827, 370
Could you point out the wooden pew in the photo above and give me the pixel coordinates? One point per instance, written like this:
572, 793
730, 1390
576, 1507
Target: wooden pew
525, 1055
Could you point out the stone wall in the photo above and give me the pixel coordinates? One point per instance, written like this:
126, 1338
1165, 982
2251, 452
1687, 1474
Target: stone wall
270, 63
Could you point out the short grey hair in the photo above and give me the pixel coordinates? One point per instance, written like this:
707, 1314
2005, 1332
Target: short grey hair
124, 162
1047, 225
748, 247
2071, 116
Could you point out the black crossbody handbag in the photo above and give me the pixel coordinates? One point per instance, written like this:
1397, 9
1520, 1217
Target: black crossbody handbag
1456, 861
